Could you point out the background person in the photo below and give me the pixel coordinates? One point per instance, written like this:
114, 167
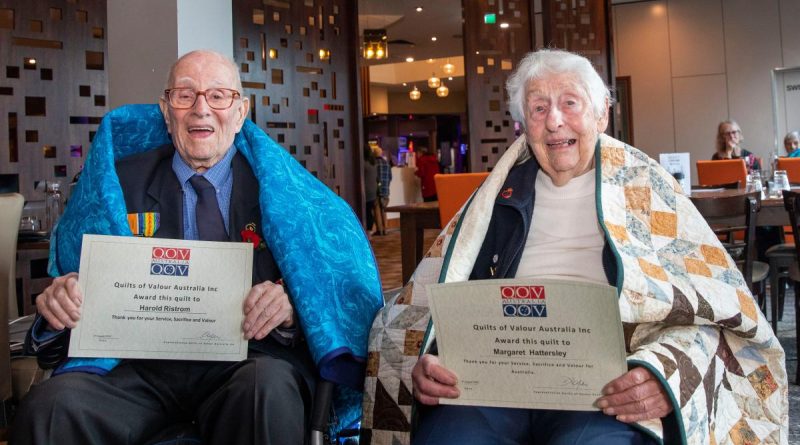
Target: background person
729, 140
384, 182
791, 142
370, 187
427, 168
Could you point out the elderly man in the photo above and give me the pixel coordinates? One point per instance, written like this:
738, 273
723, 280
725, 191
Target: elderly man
199, 186
568, 202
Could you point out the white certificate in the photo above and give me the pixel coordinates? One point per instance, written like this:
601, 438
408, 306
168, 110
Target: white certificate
538, 344
162, 298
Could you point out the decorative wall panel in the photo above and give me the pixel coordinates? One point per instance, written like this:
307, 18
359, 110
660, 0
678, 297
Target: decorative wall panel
491, 53
53, 86
298, 65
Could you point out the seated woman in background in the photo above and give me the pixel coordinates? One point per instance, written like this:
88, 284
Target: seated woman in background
792, 142
729, 139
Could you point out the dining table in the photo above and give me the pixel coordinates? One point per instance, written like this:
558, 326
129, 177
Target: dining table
414, 219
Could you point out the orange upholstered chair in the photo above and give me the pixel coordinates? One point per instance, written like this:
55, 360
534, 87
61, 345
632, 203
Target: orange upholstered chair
721, 172
792, 167
453, 191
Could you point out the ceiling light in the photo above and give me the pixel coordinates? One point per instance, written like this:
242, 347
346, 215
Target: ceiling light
450, 78
434, 81
442, 91
414, 94
409, 59
448, 67
430, 60
405, 84
433, 39
419, 8
375, 44
504, 25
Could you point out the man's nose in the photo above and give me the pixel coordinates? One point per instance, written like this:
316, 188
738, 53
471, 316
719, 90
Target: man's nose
201, 105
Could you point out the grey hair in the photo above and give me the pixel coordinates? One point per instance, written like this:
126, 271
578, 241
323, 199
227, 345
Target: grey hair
539, 64
790, 136
225, 59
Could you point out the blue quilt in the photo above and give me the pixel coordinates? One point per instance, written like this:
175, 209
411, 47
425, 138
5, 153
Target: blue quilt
318, 243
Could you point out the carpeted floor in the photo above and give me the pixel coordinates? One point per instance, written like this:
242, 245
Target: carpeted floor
387, 253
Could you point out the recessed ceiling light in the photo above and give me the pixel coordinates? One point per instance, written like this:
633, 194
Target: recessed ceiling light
419, 8
409, 59
504, 25
433, 39
450, 78
477, 52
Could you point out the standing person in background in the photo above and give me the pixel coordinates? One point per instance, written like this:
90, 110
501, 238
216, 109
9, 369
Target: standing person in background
384, 179
791, 142
729, 140
427, 167
370, 187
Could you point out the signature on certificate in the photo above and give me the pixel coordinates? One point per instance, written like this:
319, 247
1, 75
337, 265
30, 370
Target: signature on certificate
573, 382
206, 336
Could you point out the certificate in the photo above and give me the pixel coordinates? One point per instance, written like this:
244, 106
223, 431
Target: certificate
162, 299
539, 344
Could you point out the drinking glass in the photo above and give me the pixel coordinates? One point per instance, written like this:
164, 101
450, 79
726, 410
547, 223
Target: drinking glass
781, 182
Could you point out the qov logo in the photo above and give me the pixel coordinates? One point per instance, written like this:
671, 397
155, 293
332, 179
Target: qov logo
170, 261
523, 301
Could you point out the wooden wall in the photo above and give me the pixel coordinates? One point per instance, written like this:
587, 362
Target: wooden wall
298, 63
49, 110
490, 56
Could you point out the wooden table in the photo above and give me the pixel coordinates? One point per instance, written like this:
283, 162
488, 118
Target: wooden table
414, 219
772, 212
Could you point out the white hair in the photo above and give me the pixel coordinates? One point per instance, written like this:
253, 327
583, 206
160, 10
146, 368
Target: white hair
545, 62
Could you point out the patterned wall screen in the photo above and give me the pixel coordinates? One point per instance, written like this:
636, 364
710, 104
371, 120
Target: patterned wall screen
491, 53
53, 87
298, 66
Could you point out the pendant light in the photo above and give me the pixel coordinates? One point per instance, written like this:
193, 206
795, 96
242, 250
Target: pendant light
414, 94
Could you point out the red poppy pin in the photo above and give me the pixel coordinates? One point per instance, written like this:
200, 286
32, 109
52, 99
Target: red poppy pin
249, 235
507, 193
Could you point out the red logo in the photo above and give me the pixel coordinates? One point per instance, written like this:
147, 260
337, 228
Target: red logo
522, 292
507, 193
171, 253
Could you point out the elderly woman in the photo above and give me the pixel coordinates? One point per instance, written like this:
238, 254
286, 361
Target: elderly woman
791, 142
729, 145
568, 202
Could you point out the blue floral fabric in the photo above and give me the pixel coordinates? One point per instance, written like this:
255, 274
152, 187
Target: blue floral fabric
318, 244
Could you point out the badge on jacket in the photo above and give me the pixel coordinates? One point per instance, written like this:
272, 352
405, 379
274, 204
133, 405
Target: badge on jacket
144, 224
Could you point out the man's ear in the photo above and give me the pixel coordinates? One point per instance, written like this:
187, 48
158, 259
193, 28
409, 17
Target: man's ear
243, 109
162, 104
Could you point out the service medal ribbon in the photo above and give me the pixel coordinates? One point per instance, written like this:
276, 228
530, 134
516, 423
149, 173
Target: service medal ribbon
144, 224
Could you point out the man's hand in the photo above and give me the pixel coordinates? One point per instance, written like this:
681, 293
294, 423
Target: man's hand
265, 308
60, 303
432, 381
634, 396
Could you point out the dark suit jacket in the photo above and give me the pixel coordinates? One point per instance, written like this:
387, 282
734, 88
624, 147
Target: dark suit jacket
149, 185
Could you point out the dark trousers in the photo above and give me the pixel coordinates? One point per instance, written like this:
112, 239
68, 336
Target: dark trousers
261, 400
370, 209
449, 424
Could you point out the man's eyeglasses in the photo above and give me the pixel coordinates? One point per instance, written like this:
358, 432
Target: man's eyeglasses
731, 133
216, 98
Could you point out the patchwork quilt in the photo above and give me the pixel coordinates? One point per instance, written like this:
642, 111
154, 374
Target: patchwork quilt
686, 311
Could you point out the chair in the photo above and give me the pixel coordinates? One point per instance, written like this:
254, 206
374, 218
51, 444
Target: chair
791, 200
721, 172
454, 190
792, 167
729, 215
10, 213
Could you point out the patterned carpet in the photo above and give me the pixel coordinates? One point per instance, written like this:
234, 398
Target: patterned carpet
387, 253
